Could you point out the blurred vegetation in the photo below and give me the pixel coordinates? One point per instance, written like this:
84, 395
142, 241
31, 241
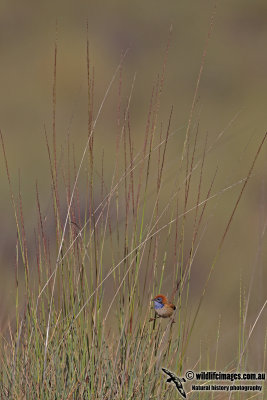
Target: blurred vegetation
231, 99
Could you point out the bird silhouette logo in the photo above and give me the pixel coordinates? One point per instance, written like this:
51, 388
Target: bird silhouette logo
178, 382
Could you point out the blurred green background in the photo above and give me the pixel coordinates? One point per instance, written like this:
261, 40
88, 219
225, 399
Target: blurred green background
233, 87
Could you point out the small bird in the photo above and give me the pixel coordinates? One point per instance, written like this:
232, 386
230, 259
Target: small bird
162, 307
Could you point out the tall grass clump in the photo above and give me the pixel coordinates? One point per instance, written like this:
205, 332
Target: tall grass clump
116, 238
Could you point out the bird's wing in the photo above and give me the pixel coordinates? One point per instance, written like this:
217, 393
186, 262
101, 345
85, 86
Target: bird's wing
180, 388
169, 373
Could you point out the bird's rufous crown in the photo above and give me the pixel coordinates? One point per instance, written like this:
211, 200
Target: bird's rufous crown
163, 298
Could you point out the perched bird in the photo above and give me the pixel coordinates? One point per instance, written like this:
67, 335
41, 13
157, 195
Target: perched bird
162, 307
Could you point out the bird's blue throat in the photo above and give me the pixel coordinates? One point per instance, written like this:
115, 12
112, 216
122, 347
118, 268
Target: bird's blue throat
158, 305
